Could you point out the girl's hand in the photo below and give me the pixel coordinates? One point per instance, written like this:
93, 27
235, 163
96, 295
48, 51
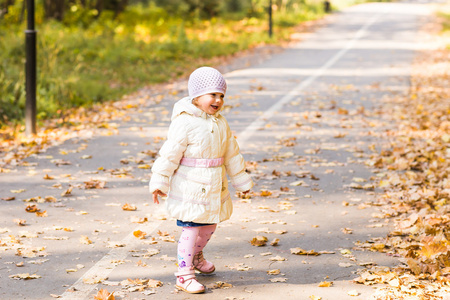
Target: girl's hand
157, 193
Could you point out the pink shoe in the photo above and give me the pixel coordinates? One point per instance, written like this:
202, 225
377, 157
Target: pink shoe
187, 282
202, 265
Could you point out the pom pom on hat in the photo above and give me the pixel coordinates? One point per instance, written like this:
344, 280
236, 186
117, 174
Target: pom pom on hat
206, 80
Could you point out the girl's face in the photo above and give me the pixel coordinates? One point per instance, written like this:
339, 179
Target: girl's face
209, 103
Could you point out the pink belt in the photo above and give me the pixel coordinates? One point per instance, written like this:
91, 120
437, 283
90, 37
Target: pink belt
202, 162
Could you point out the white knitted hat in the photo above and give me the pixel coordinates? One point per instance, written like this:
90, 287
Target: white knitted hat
206, 80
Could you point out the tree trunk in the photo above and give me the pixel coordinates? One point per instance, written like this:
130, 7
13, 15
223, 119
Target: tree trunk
4, 6
54, 9
120, 6
22, 11
99, 7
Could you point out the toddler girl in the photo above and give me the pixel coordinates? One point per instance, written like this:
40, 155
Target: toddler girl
200, 150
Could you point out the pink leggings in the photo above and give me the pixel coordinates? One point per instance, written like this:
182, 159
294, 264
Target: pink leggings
192, 241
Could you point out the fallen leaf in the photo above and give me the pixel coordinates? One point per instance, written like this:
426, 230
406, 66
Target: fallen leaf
95, 279
153, 283
347, 230
274, 242
325, 284
67, 192
139, 220
220, 285
274, 272
139, 234
259, 241
129, 207
265, 193
299, 183
71, 270
353, 293
94, 184
32, 208
103, 294
42, 214
277, 258
24, 276
48, 177
20, 222
300, 251
17, 191
85, 240
278, 279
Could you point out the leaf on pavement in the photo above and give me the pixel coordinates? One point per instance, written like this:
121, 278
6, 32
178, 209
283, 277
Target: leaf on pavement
32, 208
129, 207
139, 220
265, 193
347, 230
24, 276
353, 293
42, 214
20, 222
153, 283
259, 241
277, 258
220, 285
325, 284
95, 279
85, 240
139, 234
94, 184
278, 280
104, 295
67, 192
274, 272
300, 251
275, 242
48, 177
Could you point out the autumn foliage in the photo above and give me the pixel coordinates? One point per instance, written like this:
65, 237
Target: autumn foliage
413, 168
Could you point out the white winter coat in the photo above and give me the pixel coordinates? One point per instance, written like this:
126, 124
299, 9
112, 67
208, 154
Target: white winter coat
198, 194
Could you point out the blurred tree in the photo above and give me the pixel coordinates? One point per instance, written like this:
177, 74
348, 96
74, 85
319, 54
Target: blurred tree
57, 9
4, 6
117, 6
54, 9
196, 8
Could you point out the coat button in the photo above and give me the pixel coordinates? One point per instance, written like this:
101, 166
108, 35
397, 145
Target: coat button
223, 188
203, 190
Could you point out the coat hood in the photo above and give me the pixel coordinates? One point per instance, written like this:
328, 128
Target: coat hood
185, 106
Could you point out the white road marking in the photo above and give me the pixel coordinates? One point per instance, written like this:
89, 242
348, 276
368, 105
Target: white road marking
258, 123
80, 290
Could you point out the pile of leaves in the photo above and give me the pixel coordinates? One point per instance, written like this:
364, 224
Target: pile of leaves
414, 172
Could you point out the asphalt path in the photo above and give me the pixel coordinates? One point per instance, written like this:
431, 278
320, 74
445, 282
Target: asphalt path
307, 119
